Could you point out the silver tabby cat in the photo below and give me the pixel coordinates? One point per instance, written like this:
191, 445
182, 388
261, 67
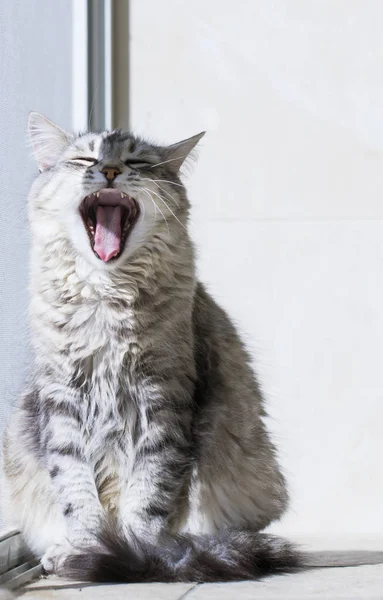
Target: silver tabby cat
138, 451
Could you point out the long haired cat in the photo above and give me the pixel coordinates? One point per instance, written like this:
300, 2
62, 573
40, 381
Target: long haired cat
138, 451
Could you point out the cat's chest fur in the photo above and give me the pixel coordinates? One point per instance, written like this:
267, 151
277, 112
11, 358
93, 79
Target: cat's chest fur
104, 356
93, 343
89, 321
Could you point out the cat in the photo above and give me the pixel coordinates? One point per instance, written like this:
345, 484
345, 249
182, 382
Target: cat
138, 451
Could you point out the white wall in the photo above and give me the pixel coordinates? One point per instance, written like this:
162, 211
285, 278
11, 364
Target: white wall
288, 197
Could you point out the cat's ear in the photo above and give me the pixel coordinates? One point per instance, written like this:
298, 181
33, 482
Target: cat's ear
48, 140
177, 153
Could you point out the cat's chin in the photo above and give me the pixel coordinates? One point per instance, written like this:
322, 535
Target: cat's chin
109, 216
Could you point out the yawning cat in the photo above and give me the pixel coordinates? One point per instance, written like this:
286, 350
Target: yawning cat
138, 451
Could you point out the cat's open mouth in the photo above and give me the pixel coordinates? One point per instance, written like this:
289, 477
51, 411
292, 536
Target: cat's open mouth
109, 216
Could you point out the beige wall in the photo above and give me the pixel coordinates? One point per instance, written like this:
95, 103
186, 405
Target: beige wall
288, 207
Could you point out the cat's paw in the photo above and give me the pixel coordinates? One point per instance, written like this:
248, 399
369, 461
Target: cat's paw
54, 558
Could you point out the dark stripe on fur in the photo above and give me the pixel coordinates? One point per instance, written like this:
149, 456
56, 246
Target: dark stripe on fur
62, 409
156, 509
55, 471
229, 556
67, 450
168, 445
68, 510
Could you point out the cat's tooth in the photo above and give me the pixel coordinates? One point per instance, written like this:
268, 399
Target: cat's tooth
98, 194
122, 195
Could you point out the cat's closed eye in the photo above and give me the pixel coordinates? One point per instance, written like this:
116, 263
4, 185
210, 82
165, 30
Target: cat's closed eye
87, 161
137, 163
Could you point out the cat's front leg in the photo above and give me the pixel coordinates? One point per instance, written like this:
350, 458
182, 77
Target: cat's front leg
72, 479
162, 461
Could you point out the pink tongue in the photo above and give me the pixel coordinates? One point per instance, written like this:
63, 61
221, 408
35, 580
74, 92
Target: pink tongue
108, 232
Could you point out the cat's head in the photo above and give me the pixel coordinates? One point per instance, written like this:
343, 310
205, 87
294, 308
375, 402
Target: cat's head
107, 193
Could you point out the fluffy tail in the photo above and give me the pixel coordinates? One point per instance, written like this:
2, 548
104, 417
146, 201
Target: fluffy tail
229, 556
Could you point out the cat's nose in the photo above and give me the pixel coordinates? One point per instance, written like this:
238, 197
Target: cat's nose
110, 172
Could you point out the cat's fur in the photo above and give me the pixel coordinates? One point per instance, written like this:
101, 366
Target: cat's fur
141, 435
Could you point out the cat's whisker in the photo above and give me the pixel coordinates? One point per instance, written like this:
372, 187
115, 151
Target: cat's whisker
148, 192
168, 181
169, 209
142, 207
155, 206
168, 195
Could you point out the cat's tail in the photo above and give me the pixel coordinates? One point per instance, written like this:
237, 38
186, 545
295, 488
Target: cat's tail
228, 556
